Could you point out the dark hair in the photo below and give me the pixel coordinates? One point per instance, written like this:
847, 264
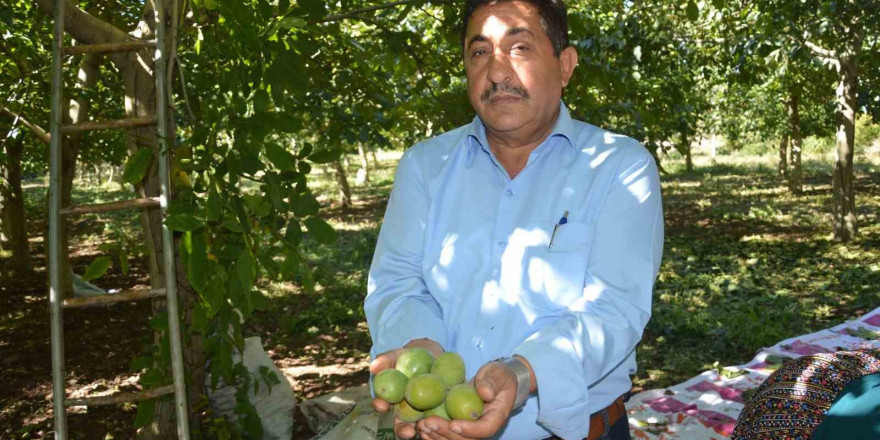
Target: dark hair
554, 20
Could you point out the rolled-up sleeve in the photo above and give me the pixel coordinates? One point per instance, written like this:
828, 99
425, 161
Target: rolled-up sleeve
398, 306
600, 330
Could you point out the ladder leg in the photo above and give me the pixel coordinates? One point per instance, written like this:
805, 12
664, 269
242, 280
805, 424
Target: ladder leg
56, 295
177, 366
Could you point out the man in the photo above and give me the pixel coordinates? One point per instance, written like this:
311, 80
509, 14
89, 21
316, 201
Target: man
524, 235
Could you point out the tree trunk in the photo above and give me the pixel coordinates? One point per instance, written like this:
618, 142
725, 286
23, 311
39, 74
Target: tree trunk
795, 174
783, 156
140, 99
364, 172
342, 181
843, 188
13, 209
375, 160
685, 149
78, 111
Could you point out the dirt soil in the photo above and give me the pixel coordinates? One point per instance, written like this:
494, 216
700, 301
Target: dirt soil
101, 342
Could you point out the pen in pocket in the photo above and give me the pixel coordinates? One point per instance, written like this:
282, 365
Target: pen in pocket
561, 222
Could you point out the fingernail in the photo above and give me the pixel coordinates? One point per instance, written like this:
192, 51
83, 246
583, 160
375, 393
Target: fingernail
455, 429
432, 427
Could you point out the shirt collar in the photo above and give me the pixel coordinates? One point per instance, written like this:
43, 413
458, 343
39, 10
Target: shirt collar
476, 132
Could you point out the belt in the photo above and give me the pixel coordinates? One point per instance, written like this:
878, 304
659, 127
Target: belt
601, 421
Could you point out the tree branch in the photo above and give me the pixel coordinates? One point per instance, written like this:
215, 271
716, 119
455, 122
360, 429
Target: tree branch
356, 12
821, 51
85, 27
36, 129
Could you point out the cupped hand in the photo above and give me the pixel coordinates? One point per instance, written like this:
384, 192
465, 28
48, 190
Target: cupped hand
387, 360
496, 385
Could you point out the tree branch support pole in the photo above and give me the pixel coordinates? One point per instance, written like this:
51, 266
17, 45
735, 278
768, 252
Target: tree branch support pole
168, 259
56, 295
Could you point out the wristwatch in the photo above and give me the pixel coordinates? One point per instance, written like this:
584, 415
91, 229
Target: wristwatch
523, 379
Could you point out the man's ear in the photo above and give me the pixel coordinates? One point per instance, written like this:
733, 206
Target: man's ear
568, 59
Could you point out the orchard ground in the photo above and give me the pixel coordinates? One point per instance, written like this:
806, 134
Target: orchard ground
746, 264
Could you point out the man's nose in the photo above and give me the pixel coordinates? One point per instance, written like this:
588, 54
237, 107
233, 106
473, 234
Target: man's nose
500, 70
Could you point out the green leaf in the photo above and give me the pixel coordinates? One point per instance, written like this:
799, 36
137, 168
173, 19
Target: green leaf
145, 412
200, 319
232, 225
262, 101
293, 234
214, 206
159, 321
197, 270
320, 230
693, 11
123, 263
245, 268
281, 158
325, 156
97, 268
288, 72
184, 223
732, 372
292, 22
136, 166
214, 295
291, 264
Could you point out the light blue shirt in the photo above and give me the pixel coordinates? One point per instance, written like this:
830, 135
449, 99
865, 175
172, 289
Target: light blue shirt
464, 258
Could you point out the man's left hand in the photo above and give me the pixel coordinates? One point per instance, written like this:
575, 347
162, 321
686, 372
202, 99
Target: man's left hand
496, 385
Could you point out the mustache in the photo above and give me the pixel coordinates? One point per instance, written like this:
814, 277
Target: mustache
503, 87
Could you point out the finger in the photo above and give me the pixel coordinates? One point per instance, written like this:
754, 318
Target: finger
404, 430
383, 361
486, 390
437, 428
487, 425
380, 405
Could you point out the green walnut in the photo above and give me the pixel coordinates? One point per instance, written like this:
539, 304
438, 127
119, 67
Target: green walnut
425, 391
439, 411
414, 361
463, 403
405, 412
449, 367
390, 385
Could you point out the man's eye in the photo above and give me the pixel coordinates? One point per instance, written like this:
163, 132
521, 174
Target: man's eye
478, 52
520, 48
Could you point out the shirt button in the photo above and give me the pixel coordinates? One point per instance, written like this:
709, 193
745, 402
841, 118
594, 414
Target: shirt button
479, 344
502, 243
510, 193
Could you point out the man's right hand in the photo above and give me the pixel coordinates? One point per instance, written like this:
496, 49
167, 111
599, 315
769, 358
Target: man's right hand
388, 360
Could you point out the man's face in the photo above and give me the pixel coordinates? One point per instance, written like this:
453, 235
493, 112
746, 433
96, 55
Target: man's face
514, 79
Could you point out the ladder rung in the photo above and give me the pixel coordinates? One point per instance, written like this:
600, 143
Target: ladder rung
127, 46
136, 121
146, 202
113, 298
121, 397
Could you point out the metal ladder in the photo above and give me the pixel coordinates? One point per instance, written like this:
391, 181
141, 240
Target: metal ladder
56, 296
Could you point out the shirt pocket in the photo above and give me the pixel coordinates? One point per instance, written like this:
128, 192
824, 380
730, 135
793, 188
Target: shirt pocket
556, 275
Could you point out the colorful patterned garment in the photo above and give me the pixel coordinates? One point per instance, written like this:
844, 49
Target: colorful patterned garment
793, 401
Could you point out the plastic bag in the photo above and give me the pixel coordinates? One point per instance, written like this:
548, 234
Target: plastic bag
355, 418
274, 407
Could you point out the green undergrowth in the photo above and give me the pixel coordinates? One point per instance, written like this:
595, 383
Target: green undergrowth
746, 264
